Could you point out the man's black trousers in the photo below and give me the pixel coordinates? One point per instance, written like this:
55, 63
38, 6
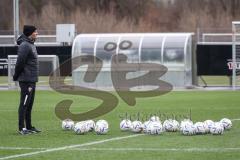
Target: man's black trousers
26, 104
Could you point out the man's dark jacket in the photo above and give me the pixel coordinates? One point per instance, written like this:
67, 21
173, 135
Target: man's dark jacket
26, 69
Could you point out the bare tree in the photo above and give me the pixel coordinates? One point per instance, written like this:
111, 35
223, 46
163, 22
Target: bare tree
144, 15
6, 13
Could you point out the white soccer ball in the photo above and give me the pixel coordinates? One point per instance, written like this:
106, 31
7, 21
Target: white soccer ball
208, 124
101, 127
67, 124
80, 127
155, 119
136, 126
200, 128
188, 129
184, 123
145, 127
171, 125
217, 128
155, 128
90, 124
125, 125
227, 123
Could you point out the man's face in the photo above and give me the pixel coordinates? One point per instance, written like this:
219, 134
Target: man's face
34, 35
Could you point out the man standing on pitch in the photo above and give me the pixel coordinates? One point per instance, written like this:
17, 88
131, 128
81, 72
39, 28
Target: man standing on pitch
26, 72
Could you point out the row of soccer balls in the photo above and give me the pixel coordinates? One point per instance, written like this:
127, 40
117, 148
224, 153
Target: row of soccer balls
152, 126
186, 127
100, 127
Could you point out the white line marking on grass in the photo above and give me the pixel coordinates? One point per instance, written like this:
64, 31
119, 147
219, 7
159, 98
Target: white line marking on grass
21, 148
134, 149
161, 149
69, 147
236, 119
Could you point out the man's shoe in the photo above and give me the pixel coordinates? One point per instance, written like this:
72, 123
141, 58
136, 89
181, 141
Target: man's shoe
24, 131
34, 130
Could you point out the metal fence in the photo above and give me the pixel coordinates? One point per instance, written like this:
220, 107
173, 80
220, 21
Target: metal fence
214, 36
44, 38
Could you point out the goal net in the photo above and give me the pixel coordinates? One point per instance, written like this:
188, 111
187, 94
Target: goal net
47, 64
235, 63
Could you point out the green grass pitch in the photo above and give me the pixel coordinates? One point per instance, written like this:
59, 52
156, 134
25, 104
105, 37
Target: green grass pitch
47, 145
